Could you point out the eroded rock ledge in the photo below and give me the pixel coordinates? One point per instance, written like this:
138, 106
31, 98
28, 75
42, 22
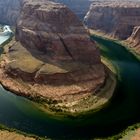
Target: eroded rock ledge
52, 60
134, 40
79, 7
114, 17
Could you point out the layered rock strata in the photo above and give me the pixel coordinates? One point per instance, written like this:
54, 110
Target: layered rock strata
117, 18
134, 39
79, 7
9, 11
53, 61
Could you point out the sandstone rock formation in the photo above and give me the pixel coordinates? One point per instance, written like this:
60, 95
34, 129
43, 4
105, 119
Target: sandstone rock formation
53, 60
9, 11
134, 39
117, 18
80, 7
46, 25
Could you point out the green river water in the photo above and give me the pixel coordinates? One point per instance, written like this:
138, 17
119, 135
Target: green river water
20, 113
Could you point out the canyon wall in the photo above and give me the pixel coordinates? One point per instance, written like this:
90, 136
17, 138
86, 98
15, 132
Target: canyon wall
117, 18
134, 39
9, 11
80, 7
53, 58
44, 27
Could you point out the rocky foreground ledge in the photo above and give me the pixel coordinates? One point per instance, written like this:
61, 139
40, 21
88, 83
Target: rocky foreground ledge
53, 61
134, 40
6, 135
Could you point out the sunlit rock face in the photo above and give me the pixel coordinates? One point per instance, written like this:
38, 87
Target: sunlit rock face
117, 18
134, 39
53, 29
9, 11
52, 55
79, 7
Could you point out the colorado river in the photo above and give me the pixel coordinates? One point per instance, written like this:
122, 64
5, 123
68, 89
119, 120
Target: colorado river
22, 114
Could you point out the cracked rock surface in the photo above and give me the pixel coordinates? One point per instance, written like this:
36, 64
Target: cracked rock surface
52, 56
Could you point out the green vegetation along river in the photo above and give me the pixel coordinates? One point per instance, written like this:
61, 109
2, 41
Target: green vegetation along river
123, 110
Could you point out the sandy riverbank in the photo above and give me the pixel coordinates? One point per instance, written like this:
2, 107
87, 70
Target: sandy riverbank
6, 135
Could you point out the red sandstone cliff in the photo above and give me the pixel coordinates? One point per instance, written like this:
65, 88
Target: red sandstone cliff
117, 18
79, 7
134, 39
53, 58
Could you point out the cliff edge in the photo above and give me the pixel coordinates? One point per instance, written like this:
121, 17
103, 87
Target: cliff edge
53, 61
9, 11
134, 40
116, 18
79, 7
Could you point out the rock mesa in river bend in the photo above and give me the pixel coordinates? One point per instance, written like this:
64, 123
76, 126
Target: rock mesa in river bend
117, 18
52, 58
